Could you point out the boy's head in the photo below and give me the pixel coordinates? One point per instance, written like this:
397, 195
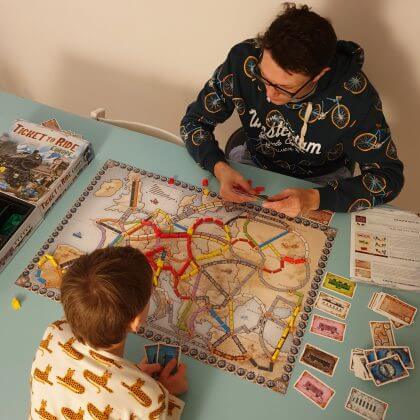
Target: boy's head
103, 294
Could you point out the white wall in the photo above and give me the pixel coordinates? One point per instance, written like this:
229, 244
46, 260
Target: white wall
146, 60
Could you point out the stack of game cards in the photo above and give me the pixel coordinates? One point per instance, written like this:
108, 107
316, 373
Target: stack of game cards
382, 365
162, 353
396, 310
385, 362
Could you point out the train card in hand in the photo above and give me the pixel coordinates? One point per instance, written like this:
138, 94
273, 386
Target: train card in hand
168, 352
151, 351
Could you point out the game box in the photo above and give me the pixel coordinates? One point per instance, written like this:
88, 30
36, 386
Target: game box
37, 164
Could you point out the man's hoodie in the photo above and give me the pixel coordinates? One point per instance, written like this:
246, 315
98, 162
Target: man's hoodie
339, 124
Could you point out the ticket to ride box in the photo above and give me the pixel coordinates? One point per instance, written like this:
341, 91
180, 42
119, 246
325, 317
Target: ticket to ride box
37, 164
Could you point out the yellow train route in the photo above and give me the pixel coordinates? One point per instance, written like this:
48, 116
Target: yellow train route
231, 325
285, 333
274, 249
191, 273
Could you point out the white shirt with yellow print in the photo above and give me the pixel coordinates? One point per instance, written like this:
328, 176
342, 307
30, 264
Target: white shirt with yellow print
70, 380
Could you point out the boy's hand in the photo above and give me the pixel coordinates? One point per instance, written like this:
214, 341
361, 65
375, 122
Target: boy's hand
294, 201
151, 369
229, 178
176, 383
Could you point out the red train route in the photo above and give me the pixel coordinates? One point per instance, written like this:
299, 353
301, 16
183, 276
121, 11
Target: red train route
159, 234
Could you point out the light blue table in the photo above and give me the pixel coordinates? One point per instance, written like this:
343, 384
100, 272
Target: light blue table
213, 394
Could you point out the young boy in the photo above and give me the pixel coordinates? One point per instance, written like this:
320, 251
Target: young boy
79, 370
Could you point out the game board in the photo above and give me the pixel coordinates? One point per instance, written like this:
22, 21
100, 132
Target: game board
232, 282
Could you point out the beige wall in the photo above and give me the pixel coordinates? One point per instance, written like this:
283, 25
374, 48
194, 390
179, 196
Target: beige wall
146, 60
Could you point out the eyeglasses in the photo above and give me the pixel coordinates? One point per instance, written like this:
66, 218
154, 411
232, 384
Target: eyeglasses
266, 82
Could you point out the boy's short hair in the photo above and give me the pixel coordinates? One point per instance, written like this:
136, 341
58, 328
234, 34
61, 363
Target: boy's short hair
102, 292
300, 40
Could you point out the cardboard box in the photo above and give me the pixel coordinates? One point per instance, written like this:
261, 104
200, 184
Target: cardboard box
37, 164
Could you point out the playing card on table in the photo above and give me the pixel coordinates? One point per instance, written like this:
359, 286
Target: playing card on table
397, 325
382, 334
399, 312
370, 355
366, 406
332, 305
360, 367
390, 369
352, 354
396, 309
327, 327
319, 359
314, 389
372, 300
402, 351
339, 284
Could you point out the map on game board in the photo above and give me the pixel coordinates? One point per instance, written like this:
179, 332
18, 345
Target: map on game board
232, 281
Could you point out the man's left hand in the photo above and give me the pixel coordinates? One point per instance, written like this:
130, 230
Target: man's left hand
293, 201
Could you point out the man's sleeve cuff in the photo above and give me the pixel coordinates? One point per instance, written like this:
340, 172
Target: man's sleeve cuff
327, 197
210, 161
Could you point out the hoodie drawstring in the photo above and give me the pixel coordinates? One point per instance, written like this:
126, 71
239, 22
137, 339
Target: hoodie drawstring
304, 128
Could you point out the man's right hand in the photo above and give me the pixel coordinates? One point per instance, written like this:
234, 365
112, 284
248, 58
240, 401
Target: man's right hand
176, 383
230, 179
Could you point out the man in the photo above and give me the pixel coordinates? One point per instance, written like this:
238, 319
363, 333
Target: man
307, 111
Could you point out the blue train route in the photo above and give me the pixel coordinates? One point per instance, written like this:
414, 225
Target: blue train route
219, 320
115, 240
273, 238
180, 227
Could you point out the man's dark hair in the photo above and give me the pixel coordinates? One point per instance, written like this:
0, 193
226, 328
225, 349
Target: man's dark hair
103, 292
300, 40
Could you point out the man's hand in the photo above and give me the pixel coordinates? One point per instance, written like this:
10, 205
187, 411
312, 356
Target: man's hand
229, 180
294, 201
176, 383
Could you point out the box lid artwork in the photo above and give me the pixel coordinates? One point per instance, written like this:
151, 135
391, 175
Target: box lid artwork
35, 161
37, 164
